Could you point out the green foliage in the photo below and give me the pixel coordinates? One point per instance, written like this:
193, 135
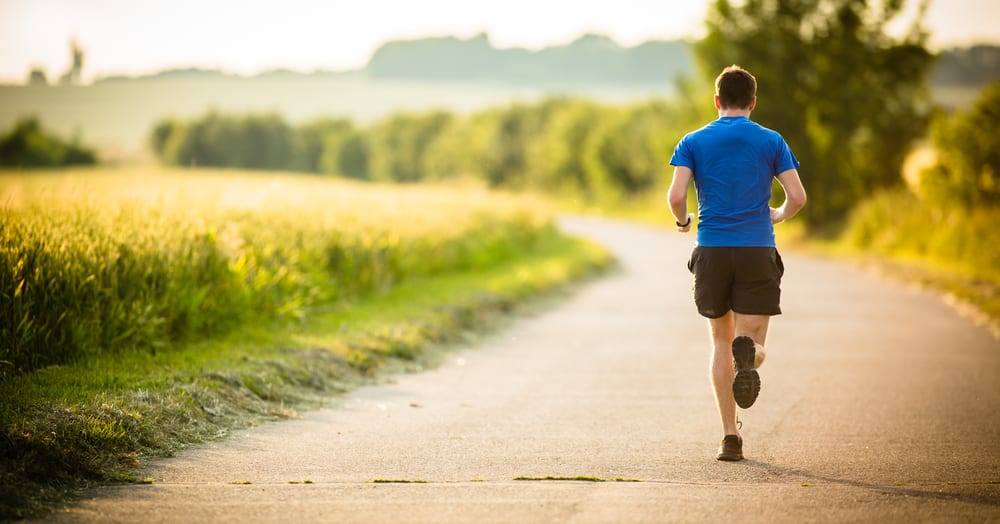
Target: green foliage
576, 148
505, 163
143, 267
579, 149
848, 98
331, 146
962, 240
968, 148
160, 136
458, 150
253, 141
346, 154
400, 144
556, 159
632, 150
28, 145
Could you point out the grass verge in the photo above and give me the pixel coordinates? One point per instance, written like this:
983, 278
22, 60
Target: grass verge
67, 427
948, 250
578, 478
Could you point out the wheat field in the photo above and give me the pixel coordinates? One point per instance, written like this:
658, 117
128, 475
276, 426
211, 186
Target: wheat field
104, 260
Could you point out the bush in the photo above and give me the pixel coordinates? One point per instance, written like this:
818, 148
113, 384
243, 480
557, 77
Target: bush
899, 224
28, 145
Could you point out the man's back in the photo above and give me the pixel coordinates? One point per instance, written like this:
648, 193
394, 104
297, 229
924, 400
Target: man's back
734, 161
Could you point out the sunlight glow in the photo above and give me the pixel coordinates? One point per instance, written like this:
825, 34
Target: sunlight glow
128, 37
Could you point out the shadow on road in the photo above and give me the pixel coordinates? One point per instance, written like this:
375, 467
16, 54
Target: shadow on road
971, 498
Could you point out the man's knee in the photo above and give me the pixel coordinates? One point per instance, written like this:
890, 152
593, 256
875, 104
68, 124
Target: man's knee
753, 326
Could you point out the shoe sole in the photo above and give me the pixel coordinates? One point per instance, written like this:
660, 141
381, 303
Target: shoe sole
746, 384
727, 457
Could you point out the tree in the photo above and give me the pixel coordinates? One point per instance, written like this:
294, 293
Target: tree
37, 77
252, 141
968, 145
161, 133
557, 157
398, 145
848, 98
310, 141
29, 145
74, 74
630, 150
508, 158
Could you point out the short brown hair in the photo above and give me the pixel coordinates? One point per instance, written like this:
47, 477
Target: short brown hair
735, 87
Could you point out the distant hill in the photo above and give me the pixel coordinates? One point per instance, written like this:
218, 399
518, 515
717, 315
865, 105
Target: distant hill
591, 59
976, 65
596, 59
196, 74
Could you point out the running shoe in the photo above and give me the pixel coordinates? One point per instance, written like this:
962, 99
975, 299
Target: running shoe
746, 385
731, 448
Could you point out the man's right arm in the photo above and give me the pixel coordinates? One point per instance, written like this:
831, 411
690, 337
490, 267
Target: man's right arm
795, 196
677, 197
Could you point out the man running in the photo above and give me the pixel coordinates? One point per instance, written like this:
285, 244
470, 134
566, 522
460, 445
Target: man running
737, 269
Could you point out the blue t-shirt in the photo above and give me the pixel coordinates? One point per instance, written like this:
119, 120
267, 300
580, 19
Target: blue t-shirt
734, 161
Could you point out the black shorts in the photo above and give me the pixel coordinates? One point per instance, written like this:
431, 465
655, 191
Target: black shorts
744, 279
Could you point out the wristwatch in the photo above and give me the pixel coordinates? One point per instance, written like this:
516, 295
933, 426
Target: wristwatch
686, 224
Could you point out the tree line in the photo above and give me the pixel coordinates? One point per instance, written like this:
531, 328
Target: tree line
565, 145
28, 144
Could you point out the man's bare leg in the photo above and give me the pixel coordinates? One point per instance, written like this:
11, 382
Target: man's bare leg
755, 327
722, 331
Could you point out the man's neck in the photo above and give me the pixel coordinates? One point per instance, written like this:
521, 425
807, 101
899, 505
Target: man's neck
734, 112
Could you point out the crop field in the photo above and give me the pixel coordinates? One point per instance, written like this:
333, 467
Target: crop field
97, 261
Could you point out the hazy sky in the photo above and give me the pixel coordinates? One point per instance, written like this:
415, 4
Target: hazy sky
247, 36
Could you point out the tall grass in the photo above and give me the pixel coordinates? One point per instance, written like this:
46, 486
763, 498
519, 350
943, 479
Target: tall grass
95, 262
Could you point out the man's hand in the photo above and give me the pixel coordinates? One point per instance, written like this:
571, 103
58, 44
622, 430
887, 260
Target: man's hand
687, 227
776, 216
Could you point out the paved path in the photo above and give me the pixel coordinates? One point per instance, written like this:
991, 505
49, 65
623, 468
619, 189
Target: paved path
879, 403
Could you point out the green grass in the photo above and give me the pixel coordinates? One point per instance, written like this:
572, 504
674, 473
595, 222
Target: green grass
93, 417
397, 481
578, 478
91, 421
98, 261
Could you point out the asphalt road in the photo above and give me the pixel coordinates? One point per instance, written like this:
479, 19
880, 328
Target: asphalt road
879, 403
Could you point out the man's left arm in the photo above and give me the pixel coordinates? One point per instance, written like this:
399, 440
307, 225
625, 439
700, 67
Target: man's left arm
795, 196
677, 197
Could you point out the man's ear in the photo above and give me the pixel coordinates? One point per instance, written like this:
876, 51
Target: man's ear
753, 104
718, 105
